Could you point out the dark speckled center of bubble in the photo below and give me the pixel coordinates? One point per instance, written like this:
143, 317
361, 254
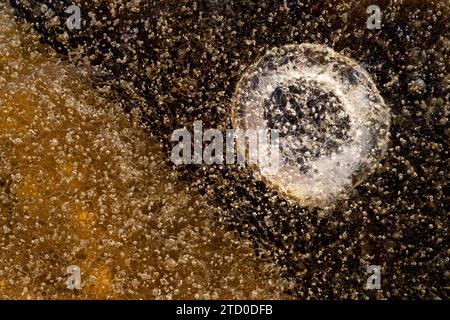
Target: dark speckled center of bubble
312, 122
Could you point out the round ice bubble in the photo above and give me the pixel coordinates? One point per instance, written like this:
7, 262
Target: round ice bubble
332, 122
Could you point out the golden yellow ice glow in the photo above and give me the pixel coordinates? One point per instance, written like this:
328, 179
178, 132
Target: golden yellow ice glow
82, 184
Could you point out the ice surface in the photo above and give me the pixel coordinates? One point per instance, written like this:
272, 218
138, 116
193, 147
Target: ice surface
332, 120
82, 184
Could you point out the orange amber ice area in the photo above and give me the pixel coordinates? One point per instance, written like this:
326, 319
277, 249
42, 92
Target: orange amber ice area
85, 140
82, 184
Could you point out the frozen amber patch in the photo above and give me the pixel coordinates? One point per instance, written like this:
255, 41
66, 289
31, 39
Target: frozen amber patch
333, 123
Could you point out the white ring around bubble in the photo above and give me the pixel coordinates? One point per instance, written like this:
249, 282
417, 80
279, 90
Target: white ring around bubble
369, 117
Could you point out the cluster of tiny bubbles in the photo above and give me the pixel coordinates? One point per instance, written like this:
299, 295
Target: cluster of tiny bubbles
333, 124
82, 183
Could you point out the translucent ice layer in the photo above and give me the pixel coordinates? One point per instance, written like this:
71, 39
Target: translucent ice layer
332, 121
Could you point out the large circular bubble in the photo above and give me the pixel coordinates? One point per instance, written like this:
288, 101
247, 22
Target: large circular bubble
333, 124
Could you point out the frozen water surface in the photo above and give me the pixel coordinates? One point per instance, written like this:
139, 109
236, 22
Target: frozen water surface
82, 184
333, 123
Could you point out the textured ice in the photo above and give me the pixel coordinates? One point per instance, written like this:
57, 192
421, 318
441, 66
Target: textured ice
332, 120
81, 183
152, 236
